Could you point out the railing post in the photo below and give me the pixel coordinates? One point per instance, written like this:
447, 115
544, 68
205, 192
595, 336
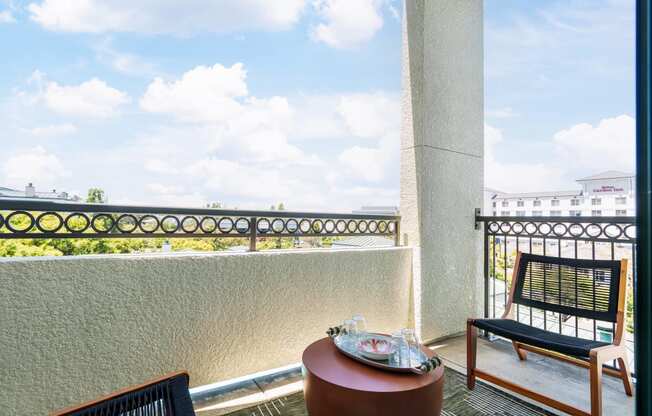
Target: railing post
253, 224
486, 271
397, 230
478, 212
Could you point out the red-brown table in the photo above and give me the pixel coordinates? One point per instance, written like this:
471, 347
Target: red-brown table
336, 385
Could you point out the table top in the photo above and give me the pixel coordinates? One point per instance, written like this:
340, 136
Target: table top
325, 361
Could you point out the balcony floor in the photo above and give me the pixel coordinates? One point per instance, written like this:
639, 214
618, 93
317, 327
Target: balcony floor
277, 394
564, 382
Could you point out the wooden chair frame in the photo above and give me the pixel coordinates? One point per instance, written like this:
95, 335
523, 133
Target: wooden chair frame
595, 364
118, 393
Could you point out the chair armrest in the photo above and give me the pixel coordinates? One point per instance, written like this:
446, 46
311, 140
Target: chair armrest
607, 353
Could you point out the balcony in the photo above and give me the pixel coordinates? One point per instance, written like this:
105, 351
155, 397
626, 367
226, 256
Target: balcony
77, 327
225, 315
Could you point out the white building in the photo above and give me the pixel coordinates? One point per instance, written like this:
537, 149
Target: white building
376, 210
608, 194
31, 193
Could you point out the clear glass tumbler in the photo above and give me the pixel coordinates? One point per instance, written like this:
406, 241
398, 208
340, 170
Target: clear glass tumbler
413, 347
350, 336
360, 325
398, 358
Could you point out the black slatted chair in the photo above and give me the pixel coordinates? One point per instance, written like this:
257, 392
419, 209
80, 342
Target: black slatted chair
592, 289
164, 396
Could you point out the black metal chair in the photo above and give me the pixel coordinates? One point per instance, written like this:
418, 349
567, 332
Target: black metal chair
592, 289
164, 396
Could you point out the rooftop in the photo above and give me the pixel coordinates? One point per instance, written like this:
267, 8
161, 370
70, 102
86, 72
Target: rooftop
545, 194
609, 174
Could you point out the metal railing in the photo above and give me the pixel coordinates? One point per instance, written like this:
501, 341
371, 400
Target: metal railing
46, 219
602, 238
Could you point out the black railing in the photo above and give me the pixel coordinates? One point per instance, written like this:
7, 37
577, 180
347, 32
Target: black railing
45, 219
574, 237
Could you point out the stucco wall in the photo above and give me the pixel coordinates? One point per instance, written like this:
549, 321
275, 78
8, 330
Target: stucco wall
75, 328
442, 159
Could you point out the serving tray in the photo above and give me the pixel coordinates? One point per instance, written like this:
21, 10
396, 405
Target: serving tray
351, 352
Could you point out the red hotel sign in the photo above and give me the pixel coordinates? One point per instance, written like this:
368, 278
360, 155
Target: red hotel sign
608, 188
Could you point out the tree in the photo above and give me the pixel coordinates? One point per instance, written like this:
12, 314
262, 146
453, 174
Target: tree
96, 196
216, 204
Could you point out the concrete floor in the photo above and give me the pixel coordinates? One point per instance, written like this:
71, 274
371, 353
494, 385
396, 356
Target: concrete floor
564, 382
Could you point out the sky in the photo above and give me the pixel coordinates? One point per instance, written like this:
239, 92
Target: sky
252, 102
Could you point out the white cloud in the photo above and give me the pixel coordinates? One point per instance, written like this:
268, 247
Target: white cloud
166, 16
126, 63
347, 24
7, 17
235, 179
203, 94
578, 151
93, 98
256, 129
569, 32
167, 195
34, 165
516, 176
159, 166
53, 130
505, 112
366, 163
608, 145
370, 115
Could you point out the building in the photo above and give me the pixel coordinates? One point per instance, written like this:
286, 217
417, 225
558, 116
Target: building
610, 193
376, 210
31, 193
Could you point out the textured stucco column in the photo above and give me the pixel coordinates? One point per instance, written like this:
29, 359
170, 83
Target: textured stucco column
442, 160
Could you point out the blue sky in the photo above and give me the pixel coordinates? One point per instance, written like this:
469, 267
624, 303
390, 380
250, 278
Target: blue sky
254, 102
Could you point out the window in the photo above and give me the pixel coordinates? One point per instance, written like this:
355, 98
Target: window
495, 213
621, 212
520, 213
537, 213
554, 203
536, 203
575, 213
596, 201
621, 200
596, 213
494, 204
575, 202
505, 203
520, 203
504, 213
555, 213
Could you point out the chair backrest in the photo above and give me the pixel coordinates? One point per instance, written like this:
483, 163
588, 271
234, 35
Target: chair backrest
164, 396
584, 288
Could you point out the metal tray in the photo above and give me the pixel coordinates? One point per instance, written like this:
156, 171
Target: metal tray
387, 365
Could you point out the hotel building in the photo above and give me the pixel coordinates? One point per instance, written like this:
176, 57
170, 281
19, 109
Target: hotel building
608, 194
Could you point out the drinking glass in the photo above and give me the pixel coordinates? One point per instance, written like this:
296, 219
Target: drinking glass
350, 334
360, 325
398, 342
412, 343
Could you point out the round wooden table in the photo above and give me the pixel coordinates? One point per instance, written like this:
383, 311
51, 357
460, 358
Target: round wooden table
336, 385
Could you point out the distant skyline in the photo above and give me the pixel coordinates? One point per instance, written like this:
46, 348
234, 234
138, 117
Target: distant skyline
253, 103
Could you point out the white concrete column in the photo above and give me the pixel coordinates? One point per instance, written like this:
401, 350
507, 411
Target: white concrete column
442, 160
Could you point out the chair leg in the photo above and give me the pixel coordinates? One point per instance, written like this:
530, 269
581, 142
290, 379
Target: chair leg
595, 371
471, 353
522, 354
625, 374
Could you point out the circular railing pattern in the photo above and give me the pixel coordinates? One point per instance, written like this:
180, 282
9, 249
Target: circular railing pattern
589, 230
87, 225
